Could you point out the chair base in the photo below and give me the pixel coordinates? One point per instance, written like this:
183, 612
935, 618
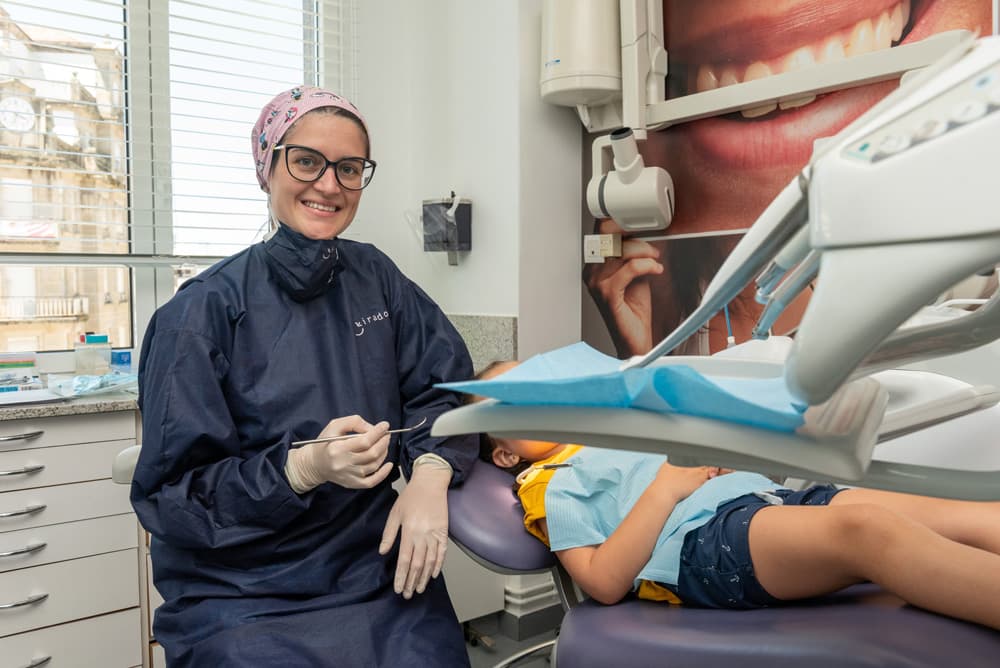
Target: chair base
527, 653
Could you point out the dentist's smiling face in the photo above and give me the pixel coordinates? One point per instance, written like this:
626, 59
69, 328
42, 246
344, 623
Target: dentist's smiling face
321, 209
726, 169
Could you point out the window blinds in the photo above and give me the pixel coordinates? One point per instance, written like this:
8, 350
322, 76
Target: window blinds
125, 160
133, 118
224, 65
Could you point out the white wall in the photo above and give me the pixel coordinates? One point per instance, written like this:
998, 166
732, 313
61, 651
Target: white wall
450, 91
552, 203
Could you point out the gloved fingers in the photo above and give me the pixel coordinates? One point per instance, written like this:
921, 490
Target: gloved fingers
390, 531
442, 550
403, 565
348, 424
431, 563
416, 567
367, 481
366, 441
367, 455
369, 467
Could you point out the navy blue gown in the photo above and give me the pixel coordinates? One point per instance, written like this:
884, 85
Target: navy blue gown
260, 350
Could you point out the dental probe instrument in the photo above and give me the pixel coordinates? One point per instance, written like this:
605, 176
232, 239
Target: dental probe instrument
342, 437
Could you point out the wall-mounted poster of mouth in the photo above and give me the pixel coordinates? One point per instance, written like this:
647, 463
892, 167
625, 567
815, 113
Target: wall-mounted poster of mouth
727, 168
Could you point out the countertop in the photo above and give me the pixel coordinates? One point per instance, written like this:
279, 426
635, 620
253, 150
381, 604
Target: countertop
101, 403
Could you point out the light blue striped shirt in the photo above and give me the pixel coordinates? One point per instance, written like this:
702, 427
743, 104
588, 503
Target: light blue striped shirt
586, 502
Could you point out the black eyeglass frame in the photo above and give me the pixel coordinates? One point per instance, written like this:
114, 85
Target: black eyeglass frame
328, 164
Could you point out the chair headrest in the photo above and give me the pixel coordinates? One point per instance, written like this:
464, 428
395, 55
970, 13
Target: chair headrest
486, 519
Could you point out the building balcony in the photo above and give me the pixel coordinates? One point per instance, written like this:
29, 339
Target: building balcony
15, 309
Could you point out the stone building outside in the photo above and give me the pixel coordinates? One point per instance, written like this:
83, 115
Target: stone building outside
63, 186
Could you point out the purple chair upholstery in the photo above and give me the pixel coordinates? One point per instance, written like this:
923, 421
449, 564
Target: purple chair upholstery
861, 627
485, 519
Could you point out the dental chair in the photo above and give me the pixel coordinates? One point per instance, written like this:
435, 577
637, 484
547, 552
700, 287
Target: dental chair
862, 626
888, 215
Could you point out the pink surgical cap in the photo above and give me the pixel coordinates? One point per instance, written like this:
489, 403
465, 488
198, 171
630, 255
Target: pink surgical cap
279, 114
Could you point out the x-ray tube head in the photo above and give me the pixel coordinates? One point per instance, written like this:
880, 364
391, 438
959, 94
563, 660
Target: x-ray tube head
628, 162
637, 197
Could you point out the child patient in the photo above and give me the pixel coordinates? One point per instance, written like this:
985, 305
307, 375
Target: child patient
621, 521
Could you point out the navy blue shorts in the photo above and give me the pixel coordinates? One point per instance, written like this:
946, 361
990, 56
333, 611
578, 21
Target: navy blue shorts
716, 570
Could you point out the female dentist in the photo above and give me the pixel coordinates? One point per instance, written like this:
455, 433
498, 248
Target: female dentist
268, 554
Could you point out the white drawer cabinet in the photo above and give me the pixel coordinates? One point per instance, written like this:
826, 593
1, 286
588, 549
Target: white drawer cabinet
66, 430
43, 467
71, 540
42, 506
69, 544
81, 644
68, 590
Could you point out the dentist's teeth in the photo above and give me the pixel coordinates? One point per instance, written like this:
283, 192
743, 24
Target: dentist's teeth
896, 20
862, 39
320, 207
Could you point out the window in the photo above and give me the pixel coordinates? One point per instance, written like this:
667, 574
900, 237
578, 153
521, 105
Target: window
125, 164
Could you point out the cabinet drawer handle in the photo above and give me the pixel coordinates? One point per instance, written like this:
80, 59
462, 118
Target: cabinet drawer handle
39, 662
30, 510
22, 437
31, 468
31, 600
28, 549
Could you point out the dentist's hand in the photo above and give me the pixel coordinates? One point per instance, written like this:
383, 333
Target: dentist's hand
355, 463
620, 288
421, 511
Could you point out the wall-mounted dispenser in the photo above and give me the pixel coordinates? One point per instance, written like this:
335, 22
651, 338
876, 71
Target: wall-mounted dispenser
448, 225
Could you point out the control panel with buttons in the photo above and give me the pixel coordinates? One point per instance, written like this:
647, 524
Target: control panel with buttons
965, 103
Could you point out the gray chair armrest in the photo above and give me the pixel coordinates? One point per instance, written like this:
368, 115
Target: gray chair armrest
124, 465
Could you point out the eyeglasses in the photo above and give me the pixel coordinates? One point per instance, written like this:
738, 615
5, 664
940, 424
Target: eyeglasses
308, 165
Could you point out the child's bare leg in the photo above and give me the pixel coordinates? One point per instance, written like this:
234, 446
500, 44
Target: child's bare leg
975, 523
804, 551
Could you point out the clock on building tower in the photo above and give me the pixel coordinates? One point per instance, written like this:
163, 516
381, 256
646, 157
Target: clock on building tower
16, 114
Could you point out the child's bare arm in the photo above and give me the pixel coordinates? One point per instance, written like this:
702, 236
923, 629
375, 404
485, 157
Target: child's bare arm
606, 572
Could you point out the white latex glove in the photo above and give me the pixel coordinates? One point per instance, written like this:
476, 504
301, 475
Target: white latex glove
422, 512
355, 463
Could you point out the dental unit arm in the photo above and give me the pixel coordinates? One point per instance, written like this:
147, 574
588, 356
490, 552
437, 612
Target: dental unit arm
896, 209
